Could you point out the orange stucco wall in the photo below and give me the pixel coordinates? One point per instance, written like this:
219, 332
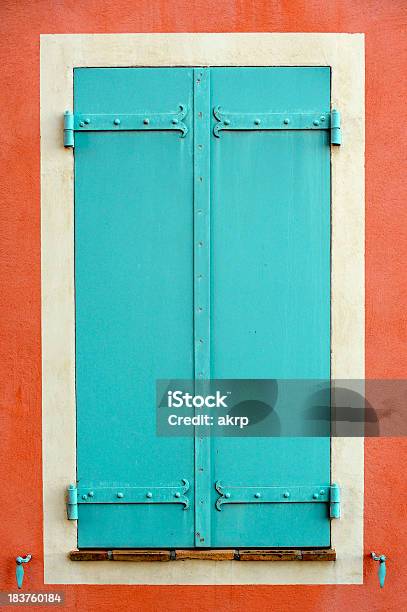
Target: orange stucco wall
21, 21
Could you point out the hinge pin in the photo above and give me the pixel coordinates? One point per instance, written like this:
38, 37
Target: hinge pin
336, 138
68, 129
335, 502
72, 503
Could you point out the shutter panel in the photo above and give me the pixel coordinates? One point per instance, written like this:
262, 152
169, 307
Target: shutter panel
134, 307
271, 290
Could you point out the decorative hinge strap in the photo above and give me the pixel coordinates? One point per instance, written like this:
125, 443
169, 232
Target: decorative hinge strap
87, 122
69, 129
72, 503
335, 502
240, 494
312, 120
162, 494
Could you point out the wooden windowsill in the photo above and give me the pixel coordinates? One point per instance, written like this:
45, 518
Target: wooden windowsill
240, 554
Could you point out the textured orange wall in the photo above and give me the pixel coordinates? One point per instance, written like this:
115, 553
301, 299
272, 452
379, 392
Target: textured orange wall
21, 22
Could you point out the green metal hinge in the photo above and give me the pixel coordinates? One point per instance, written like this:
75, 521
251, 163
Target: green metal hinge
336, 137
335, 502
307, 120
161, 494
72, 503
68, 129
240, 494
141, 122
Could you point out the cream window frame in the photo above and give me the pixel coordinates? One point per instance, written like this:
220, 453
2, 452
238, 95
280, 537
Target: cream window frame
60, 54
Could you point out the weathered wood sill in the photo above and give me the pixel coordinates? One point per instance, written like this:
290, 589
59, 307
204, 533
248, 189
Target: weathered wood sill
239, 554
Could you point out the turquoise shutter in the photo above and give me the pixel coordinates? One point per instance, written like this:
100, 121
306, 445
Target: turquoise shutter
134, 306
270, 291
202, 249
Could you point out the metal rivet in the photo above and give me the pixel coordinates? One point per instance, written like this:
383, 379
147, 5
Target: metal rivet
226, 122
322, 118
116, 121
149, 494
90, 493
315, 496
286, 494
322, 492
257, 495
120, 495
87, 120
286, 121
81, 123
257, 121
227, 495
175, 121
177, 494
146, 121
84, 497
316, 122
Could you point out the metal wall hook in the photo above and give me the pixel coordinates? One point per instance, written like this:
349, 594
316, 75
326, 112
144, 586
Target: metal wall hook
382, 567
20, 569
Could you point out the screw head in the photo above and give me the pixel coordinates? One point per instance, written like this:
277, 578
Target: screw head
90, 493
315, 496
81, 124
177, 494
149, 494
322, 117
257, 495
257, 121
286, 121
316, 122
87, 120
116, 121
227, 495
120, 495
146, 121
286, 494
226, 122
175, 121
84, 497
322, 492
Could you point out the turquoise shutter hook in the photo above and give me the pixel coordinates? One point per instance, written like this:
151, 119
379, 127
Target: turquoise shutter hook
382, 567
20, 569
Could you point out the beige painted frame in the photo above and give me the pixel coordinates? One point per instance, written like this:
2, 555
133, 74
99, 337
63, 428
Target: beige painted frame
59, 55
